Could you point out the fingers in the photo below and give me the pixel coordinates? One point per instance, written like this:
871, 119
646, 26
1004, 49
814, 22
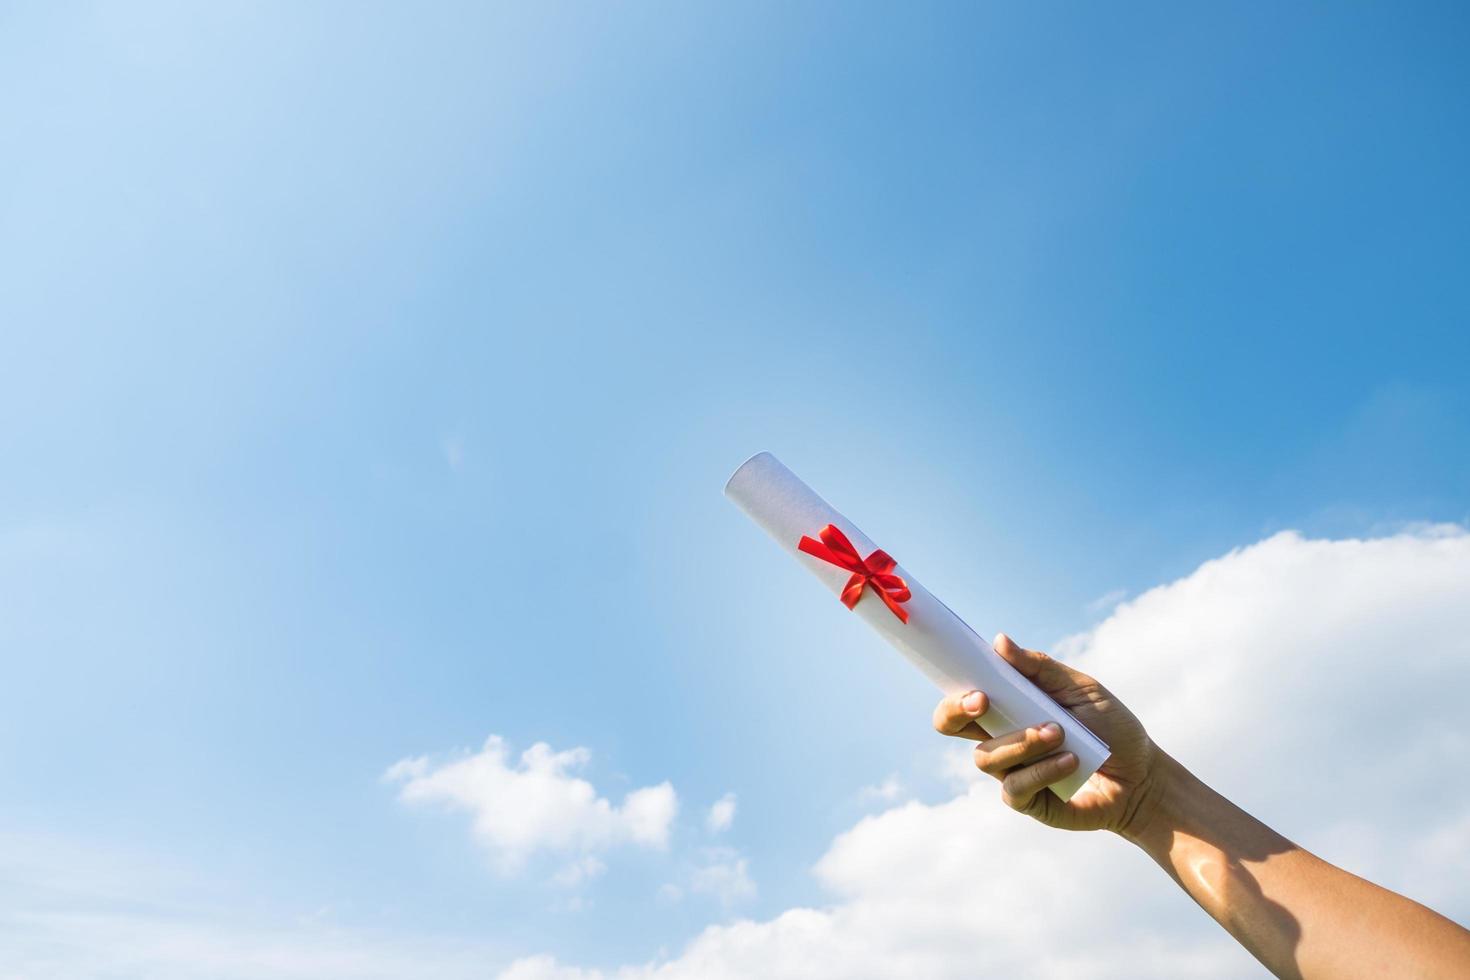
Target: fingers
956, 714
1020, 787
1050, 675
998, 756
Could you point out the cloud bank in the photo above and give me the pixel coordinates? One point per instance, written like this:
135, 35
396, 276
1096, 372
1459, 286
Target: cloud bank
1318, 683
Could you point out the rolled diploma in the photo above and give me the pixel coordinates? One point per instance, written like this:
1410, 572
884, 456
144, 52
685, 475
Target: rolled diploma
935, 640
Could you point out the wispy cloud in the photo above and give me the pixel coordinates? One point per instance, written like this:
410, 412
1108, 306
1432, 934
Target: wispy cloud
1105, 602
721, 814
70, 909
453, 448
722, 873
889, 790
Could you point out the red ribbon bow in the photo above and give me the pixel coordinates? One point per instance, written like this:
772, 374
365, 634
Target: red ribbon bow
876, 571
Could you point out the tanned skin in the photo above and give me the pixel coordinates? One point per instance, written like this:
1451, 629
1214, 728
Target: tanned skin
1297, 914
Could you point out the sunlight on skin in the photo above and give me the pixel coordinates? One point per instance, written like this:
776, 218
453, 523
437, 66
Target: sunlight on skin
1209, 877
1297, 914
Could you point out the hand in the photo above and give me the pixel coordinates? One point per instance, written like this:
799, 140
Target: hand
1297, 914
1116, 797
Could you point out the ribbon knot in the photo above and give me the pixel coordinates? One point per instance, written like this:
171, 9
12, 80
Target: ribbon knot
876, 571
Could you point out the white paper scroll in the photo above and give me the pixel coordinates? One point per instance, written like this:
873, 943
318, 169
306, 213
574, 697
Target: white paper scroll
934, 639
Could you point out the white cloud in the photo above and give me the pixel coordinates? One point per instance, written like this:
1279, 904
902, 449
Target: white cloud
721, 873
582, 869
721, 815
724, 875
537, 805
888, 791
546, 968
1318, 683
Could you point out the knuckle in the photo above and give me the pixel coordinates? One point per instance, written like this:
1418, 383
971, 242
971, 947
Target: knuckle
1011, 796
987, 763
1007, 751
945, 713
1024, 745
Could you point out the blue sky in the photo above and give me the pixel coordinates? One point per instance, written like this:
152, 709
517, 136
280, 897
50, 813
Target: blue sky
369, 376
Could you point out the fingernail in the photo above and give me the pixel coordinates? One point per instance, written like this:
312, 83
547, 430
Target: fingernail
971, 702
1050, 732
1066, 760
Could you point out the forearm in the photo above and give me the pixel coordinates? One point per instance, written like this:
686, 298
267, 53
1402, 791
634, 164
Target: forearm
1299, 915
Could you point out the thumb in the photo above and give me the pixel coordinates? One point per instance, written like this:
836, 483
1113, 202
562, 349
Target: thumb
1052, 676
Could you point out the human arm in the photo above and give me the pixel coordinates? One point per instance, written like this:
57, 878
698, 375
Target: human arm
1297, 914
